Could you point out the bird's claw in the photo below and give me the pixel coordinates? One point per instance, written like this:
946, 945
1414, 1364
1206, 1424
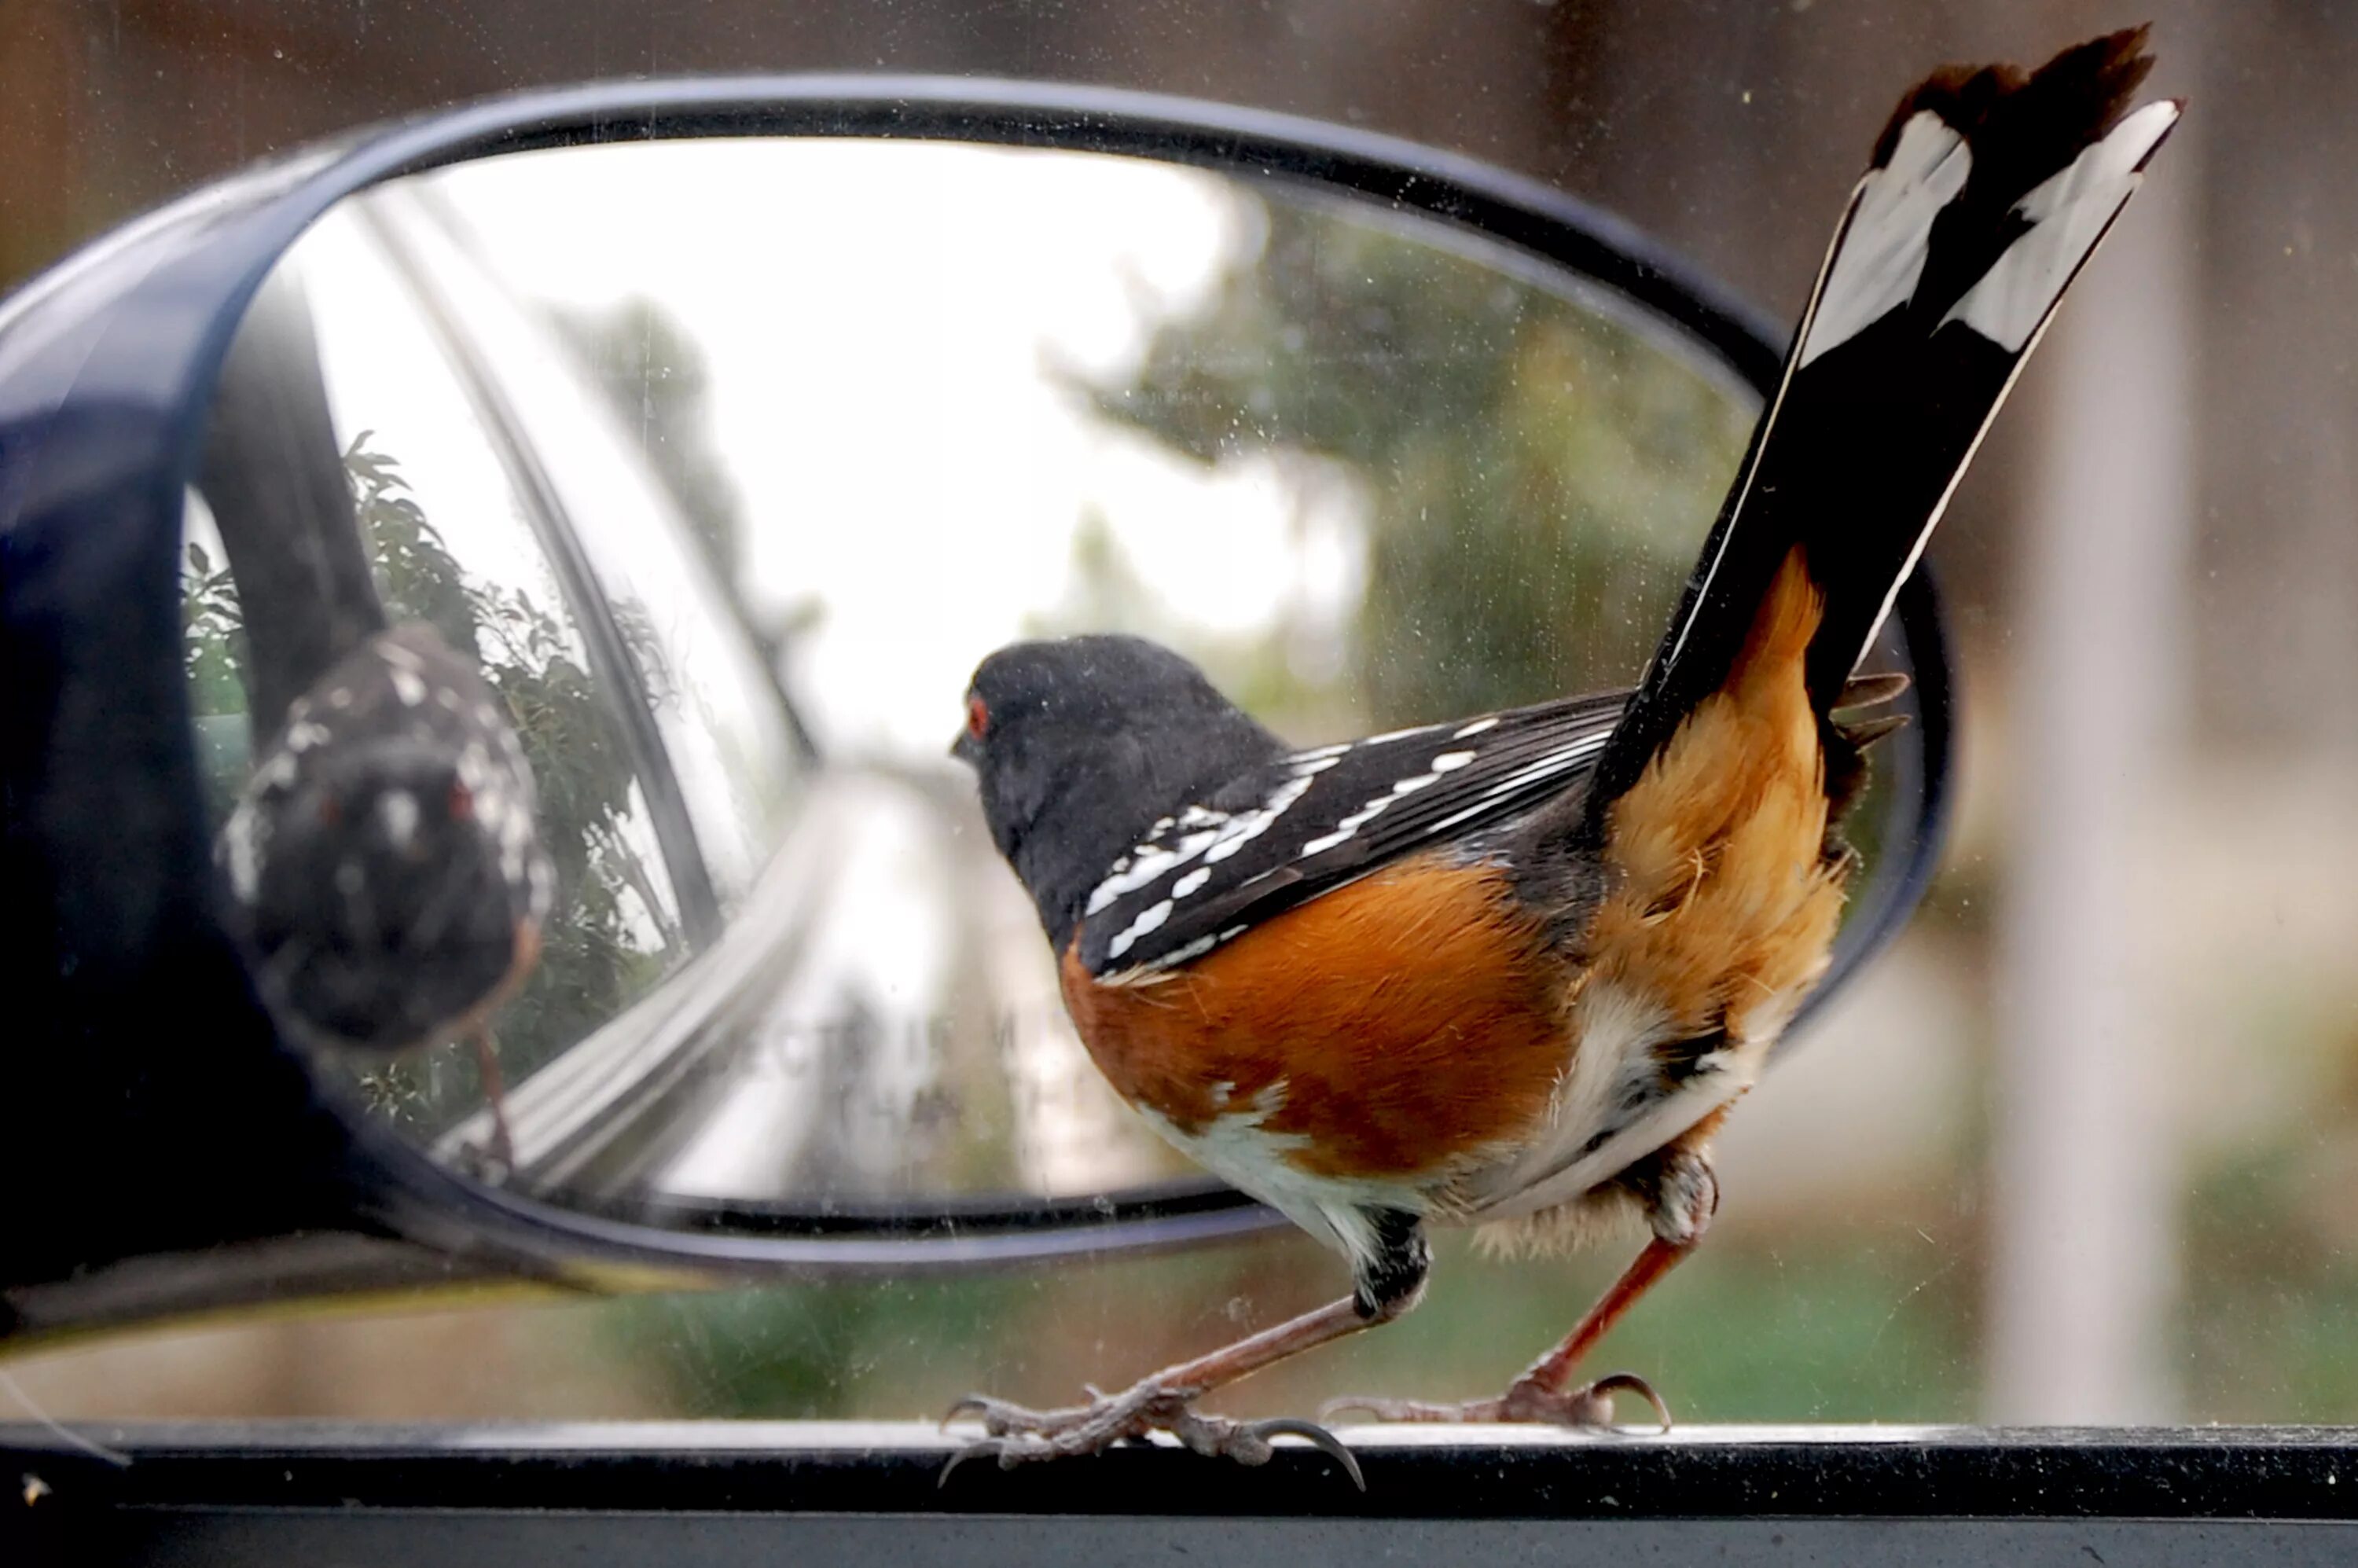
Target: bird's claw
1316, 1435
1524, 1400
1016, 1435
972, 1404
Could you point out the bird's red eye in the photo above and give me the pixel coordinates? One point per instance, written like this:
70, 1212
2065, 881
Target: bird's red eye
978, 718
461, 803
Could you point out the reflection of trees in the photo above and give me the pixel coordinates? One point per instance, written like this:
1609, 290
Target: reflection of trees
1540, 473
654, 373
593, 961
214, 655
591, 964
213, 641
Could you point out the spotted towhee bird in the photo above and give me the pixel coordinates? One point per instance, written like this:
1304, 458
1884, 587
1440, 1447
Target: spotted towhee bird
385, 859
1513, 970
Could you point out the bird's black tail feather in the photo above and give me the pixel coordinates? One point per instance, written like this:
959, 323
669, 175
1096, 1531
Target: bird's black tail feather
1989, 189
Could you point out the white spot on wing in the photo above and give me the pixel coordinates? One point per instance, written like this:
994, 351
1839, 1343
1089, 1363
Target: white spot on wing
1214, 843
410, 688
1129, 876
1450, 762
1350, 824
1476, 728
1149, 919
1889, 233
2068, 214
1246, 827
1558, 761
1150, 862
1195, 949
1191, 881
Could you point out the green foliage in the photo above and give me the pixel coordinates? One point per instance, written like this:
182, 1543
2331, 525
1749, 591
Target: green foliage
1541, 472
1826, 1324
1820, 1323
592, 961
212, 635
824, 1349
213, 654
415, 575
2270, 1313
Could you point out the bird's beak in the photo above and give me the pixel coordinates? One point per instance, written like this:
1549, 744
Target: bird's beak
965, 751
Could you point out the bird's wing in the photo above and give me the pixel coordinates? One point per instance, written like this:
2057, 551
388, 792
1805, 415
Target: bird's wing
1309, 822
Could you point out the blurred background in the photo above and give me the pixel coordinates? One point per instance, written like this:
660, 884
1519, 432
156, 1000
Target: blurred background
2081, 1147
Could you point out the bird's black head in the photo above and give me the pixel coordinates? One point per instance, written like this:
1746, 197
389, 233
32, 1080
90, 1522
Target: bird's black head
1080, 744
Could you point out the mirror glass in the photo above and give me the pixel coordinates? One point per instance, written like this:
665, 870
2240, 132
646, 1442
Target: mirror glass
723, 462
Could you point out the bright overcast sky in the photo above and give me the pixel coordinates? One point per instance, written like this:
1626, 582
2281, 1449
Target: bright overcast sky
880, 323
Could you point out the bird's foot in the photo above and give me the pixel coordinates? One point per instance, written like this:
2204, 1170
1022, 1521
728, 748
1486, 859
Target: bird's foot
1016, 1435
1526, 1399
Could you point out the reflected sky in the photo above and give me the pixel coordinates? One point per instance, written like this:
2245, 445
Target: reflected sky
868, 394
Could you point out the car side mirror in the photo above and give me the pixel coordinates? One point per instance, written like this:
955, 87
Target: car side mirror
716, 428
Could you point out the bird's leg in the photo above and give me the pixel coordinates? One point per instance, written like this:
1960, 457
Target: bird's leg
1162, 1401
487, 1067
1542, 1392
1680, 1192
1389, 1284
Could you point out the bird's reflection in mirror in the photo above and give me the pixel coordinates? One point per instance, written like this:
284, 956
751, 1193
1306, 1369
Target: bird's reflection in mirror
386, 860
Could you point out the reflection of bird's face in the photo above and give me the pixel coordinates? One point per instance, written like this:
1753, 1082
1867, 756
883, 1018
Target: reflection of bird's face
382, 902
384, 854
